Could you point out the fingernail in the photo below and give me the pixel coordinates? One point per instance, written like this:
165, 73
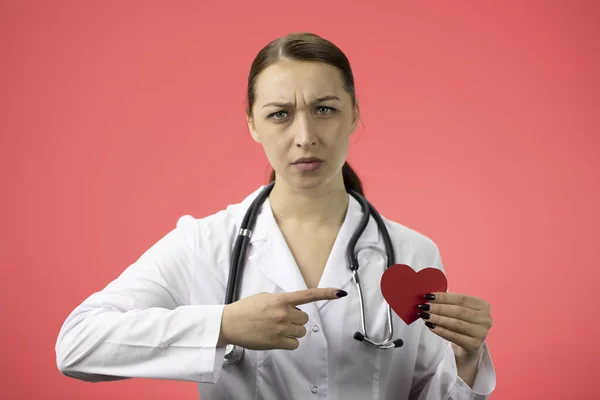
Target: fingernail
429, 325
424, 307
424, 315
341, 293
430, 296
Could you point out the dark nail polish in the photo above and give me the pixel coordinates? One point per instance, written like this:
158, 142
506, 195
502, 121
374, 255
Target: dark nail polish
430, 296
424, 315
341, 293
424, 307
429, 325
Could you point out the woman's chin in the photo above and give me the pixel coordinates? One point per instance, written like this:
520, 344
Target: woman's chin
312, 181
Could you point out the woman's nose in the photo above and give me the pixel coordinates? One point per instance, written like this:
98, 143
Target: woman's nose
305, 133
306, 143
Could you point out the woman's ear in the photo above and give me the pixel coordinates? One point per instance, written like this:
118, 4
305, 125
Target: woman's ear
355, 118
251, 128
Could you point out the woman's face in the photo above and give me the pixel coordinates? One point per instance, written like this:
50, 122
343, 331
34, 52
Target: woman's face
302, 111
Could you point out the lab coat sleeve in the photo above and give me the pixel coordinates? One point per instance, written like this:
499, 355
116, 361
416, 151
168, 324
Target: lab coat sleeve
141, 325
436, 376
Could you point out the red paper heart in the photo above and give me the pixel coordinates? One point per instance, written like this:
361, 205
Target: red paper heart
403, 288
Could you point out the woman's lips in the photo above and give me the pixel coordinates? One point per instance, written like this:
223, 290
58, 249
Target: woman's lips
308, 166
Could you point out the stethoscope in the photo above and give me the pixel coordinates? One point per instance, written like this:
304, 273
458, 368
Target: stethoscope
234, 354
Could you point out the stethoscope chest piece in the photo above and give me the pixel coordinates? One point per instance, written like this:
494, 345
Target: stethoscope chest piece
233, 355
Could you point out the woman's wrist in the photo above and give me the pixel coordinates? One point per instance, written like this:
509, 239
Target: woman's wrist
223, 330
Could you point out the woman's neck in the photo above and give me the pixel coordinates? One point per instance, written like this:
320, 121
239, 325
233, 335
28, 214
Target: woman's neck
319, 207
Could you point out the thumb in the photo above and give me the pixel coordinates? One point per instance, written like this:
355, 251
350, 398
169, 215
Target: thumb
310, 295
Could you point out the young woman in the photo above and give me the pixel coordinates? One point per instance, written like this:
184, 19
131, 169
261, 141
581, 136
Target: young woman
293, 317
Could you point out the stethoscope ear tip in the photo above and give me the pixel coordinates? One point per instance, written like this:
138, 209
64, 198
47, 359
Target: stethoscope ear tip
398, 343
359, 336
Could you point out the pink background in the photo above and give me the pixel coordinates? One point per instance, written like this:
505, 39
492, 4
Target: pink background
479, 128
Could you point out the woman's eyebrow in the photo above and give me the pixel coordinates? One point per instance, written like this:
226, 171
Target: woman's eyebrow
317, 100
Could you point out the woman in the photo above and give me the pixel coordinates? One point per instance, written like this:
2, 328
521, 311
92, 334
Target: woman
164, 317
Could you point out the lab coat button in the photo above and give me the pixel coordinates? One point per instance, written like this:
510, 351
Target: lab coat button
314, 389
315, 328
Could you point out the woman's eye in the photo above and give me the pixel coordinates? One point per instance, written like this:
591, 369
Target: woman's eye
278, 115
323, 110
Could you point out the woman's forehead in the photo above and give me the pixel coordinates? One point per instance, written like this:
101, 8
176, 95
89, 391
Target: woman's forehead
286, 80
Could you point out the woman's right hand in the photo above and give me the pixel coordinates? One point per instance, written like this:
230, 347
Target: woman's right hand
268, 321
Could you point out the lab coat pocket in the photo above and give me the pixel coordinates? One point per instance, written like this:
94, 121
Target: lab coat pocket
287, 374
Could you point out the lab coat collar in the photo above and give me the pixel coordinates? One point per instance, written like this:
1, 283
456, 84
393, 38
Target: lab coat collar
276, 261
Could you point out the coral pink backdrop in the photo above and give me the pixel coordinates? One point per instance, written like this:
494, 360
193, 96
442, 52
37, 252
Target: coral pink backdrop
479, 128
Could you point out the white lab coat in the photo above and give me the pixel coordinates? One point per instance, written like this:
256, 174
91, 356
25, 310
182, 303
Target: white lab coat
161, 318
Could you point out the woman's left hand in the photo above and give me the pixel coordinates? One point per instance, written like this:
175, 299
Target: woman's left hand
463, 320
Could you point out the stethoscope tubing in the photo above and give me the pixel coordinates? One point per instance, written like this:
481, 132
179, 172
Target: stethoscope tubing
243, 240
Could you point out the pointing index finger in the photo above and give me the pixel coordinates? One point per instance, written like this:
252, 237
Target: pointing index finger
314, 294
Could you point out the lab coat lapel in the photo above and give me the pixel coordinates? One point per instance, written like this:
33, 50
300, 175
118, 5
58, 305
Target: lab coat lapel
272, 254
273, 257
337, 273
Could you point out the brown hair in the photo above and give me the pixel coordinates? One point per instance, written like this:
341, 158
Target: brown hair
304, 46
